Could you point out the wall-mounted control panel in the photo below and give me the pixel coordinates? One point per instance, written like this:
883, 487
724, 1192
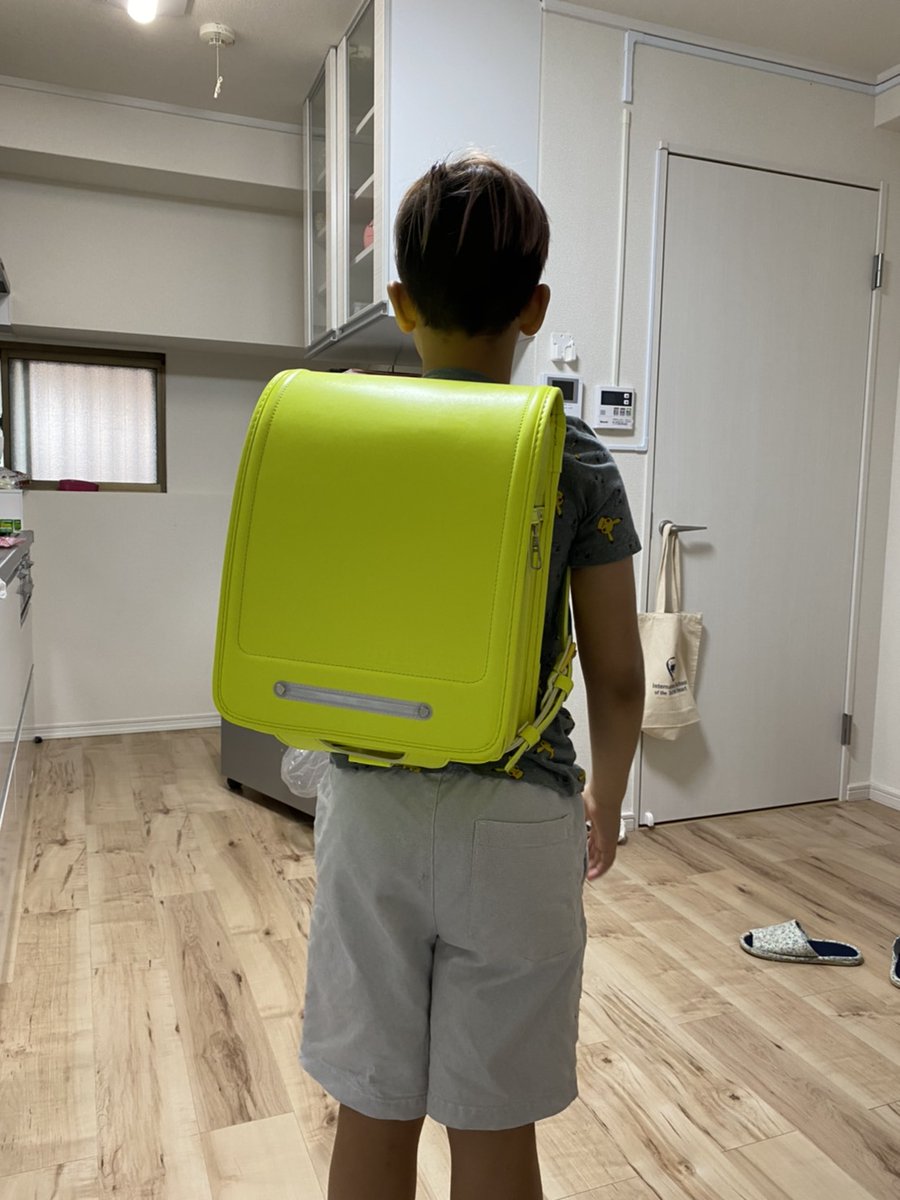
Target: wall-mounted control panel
571, 388
613, 408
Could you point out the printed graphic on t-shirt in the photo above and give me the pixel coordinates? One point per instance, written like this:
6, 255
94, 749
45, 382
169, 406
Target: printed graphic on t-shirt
607, 525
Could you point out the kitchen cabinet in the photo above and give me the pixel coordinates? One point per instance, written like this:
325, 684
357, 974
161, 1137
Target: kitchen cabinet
357, 129
412, 82
16, 724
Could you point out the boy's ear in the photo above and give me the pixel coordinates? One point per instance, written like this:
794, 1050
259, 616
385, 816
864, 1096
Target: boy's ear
405, 312
532, 316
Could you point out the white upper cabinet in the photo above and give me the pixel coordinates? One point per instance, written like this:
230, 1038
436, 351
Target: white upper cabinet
412, 82
320, 188
358, 125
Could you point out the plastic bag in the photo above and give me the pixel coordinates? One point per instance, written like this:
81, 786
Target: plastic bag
304, 770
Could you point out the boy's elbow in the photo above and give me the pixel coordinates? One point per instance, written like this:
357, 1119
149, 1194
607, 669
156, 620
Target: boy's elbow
622, 686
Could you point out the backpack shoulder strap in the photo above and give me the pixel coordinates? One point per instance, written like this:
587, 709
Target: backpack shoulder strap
559, 686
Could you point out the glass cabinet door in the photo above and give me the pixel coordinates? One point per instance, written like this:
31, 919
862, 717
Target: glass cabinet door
318, 200
360, 164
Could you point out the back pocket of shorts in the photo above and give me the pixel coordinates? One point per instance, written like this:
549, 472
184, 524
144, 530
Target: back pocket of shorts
526, 887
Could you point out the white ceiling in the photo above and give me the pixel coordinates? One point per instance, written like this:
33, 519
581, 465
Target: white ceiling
93, 45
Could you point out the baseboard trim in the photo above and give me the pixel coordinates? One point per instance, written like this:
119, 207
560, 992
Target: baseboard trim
859, 791
883, 794
879, 792
108, 728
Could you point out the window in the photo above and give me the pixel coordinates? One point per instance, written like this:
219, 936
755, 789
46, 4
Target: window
97, 416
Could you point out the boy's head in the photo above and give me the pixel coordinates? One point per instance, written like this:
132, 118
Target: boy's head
471, 243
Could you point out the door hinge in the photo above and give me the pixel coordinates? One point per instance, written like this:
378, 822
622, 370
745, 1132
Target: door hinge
877, 271
846, 728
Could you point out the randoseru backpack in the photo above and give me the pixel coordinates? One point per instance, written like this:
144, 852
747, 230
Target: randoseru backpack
386, 568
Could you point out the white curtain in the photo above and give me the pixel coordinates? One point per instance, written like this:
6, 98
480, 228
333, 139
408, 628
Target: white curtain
80, 421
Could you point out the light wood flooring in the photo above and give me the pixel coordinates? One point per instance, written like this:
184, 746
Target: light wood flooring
149, 1030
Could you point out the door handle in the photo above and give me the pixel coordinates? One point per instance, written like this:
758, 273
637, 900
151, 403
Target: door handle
681, 528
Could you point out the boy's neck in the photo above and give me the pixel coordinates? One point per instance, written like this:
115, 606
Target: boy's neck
488, 356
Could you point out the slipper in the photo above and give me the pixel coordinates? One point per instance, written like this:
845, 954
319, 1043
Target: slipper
895, 965
789, 943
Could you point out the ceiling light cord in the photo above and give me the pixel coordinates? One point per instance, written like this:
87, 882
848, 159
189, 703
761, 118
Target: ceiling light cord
218, 76
217, 35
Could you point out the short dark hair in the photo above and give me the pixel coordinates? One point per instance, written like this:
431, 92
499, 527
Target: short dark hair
471, 241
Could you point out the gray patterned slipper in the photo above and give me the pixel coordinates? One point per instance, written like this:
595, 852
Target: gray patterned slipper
789, 943
895, 965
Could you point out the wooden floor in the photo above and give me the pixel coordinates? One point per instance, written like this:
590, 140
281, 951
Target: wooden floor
150, 1027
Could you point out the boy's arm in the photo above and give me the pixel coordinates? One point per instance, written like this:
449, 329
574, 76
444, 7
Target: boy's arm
612, 663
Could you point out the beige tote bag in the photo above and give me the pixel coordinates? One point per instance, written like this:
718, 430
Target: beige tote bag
671, 645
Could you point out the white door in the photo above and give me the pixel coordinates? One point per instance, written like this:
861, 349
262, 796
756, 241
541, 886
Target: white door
766, 294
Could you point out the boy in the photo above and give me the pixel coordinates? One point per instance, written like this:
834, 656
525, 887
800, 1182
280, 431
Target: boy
448, 934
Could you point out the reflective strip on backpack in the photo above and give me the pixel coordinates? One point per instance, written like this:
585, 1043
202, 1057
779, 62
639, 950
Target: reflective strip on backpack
354, 700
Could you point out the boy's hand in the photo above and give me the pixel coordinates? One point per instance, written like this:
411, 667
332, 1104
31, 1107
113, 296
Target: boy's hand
604, 834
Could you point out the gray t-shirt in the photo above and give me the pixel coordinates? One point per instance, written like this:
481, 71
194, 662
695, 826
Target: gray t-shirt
593, 526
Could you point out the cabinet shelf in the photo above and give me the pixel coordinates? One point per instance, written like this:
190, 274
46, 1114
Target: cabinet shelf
365, 121
364, 254
365, 189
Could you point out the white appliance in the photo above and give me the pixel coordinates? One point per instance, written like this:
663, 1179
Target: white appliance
11, 511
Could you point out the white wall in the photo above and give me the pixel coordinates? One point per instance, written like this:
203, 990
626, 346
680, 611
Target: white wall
723, 110
193, 149
886, 750
82, 259
127, 584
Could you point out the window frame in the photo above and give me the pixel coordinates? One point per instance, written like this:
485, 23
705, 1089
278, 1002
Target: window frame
87, 357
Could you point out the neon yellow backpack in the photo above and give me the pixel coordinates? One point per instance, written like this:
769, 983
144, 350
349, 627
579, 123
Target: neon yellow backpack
386, 569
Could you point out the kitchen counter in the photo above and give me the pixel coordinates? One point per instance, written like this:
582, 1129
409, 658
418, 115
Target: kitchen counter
16, 727
11, 557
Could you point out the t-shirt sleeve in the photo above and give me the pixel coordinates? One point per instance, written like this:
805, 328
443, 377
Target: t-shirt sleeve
605, 530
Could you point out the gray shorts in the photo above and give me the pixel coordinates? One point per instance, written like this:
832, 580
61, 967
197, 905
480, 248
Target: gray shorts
446, 947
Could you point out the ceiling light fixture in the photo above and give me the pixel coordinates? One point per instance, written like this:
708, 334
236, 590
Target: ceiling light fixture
142, 11
145, 11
